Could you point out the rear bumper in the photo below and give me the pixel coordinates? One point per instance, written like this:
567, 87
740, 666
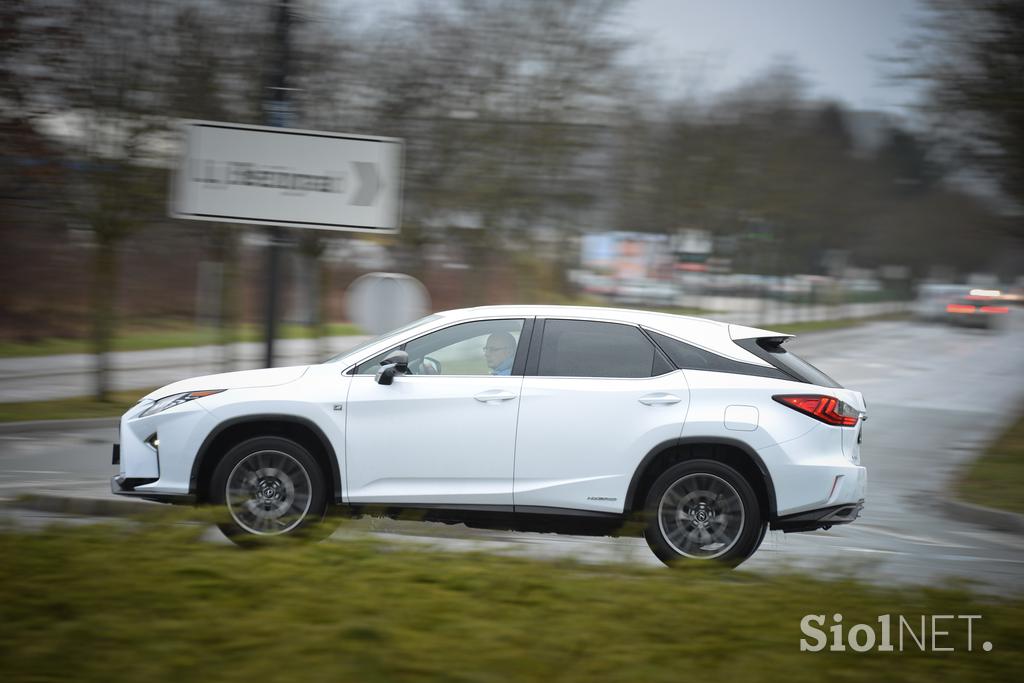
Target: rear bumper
124, 486
821, 518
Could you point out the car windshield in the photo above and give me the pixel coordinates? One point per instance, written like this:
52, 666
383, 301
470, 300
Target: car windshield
371, 342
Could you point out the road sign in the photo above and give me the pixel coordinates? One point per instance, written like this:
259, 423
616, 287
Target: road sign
233, 173
378, 302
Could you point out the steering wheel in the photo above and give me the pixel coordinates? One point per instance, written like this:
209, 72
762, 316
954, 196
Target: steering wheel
425, 366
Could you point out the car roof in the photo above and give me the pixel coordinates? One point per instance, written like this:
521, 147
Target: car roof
709, 334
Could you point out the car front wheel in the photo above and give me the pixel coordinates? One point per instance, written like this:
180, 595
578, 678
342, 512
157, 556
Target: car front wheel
270, 486
702, 510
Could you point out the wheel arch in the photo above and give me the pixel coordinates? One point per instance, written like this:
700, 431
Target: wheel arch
732, 452
230, 432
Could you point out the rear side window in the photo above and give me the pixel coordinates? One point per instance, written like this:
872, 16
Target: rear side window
576, 348
689, 357
770, 349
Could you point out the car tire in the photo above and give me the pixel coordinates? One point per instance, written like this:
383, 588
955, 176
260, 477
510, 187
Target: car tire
270, 487
760, 537
701, 511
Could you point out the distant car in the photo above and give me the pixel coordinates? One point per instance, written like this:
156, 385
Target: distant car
977, 310
932, 299
534, 418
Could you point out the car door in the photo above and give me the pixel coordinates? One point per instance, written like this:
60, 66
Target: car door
597, 397
444, 434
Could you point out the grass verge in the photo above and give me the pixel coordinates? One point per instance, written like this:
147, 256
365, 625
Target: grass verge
151, 602
85, 407
996, 479
166, 335
77, 408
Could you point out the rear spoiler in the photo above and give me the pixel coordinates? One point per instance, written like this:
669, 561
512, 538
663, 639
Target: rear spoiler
737, 332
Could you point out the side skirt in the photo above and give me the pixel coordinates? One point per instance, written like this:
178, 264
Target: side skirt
504, 518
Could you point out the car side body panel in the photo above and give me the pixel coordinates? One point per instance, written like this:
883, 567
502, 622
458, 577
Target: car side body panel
572, 450
432, 439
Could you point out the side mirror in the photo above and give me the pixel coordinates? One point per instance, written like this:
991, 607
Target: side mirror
396, 362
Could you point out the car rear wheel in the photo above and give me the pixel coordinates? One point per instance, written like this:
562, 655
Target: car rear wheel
270, 487
703, 510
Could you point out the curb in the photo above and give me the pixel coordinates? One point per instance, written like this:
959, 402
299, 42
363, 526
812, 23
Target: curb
88, 507
59, 425
998, 520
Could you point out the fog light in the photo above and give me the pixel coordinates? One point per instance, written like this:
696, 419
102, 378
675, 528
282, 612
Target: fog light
153, 442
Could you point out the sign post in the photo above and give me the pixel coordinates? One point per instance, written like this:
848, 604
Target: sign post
278, 113
279, 176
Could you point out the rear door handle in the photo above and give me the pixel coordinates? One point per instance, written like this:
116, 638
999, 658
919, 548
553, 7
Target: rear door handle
659, 399
494, 396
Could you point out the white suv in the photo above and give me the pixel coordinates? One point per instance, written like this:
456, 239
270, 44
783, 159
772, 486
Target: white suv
534, 418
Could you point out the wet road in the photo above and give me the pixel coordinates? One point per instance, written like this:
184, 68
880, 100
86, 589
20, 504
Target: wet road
935, 396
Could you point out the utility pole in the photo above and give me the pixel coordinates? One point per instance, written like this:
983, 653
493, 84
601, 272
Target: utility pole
277, 112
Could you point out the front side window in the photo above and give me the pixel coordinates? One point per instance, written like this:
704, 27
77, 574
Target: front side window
483, 347
577, 348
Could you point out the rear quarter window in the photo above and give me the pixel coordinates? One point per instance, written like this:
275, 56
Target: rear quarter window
688, 357
770, 349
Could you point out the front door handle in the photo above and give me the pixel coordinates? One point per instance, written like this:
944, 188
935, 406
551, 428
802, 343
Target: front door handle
494, 396
659, 399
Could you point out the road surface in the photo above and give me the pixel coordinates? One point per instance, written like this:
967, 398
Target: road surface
935, 396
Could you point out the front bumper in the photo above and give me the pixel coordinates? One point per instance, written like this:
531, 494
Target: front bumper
156, 452
124, 486
822, 518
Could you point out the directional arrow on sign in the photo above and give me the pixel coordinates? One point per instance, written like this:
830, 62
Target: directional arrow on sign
369, 183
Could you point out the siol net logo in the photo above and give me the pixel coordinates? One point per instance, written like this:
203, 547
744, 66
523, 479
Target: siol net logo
929, 633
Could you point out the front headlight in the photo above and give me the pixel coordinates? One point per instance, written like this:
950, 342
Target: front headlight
176, 400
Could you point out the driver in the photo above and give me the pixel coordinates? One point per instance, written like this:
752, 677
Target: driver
499, 352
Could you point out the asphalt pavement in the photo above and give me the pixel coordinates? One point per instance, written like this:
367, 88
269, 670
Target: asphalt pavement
936, 395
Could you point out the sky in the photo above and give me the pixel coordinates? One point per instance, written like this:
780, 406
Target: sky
706, 46
702, 47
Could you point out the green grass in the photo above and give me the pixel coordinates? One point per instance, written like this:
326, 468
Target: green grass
788, 328
996, 479
71, 408
168, 335
163, 336
151, 602
588, 300
86, 407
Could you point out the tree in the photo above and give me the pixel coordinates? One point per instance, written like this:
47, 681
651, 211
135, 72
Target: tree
498, 103
107, 78
970, 57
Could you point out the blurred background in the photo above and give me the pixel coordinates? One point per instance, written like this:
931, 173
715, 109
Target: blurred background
852, 172
759, 164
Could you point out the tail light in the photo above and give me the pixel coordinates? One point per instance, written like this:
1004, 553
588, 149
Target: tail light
995, 309
827, 409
